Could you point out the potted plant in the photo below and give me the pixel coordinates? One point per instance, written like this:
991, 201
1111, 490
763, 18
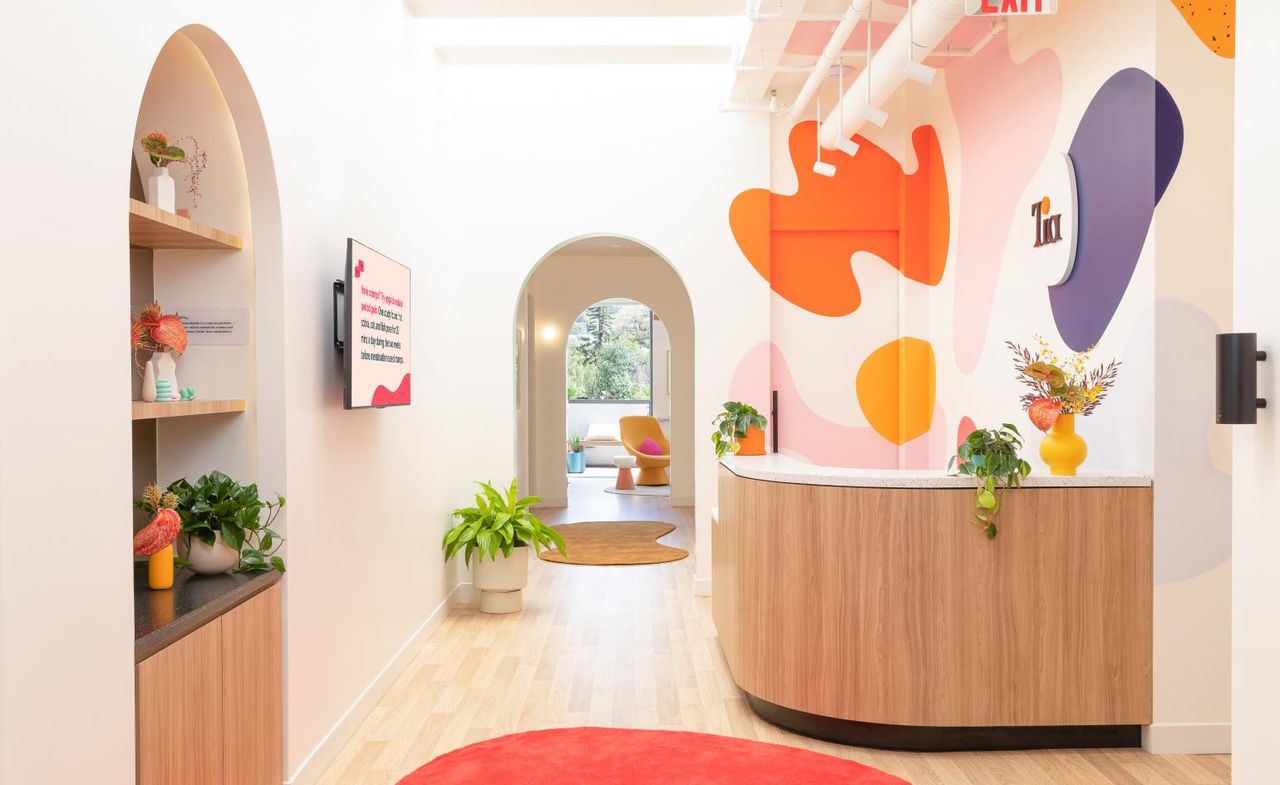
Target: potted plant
500, 528
739, 430
576, 459
991, 455
226, 526
162, 151
1058, 392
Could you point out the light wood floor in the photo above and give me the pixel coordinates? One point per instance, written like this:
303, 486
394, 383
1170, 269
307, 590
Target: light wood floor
632, 647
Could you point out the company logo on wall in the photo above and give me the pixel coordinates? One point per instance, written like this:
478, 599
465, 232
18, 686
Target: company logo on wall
1051, 249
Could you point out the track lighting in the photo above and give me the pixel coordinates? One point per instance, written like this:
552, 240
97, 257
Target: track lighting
919, 72
820, 166
875, 115
773, 100
843, 143
847, 146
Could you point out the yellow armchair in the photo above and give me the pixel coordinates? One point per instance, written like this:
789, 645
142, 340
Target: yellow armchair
653, 468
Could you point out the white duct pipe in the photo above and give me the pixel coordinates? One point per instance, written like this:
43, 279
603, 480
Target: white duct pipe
887, 70
829, 54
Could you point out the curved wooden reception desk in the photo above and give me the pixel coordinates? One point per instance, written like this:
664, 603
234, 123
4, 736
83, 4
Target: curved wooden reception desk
861, 606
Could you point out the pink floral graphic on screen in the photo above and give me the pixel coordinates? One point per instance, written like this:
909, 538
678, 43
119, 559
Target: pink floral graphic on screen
399, 397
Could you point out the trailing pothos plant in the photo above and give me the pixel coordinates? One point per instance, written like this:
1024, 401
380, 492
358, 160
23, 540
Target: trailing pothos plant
217, 504
497, 523
732, 424
991, 455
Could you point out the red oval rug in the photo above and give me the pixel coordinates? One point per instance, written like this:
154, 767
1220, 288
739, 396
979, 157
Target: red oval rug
617, 756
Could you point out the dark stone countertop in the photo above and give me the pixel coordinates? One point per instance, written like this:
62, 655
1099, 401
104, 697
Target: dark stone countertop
161, 618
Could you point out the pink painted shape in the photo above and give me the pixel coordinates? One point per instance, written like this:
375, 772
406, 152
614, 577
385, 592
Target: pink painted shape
965, 428
1006, 114
818, 440
384, 397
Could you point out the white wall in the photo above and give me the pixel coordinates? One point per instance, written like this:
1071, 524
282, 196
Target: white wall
1255, 640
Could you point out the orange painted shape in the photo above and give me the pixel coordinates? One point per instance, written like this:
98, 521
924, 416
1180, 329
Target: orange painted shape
896, 386
802, 243
1213, 22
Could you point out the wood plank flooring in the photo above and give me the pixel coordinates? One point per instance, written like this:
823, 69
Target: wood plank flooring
632, 647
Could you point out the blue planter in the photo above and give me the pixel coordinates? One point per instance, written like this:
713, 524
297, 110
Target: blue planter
577, 462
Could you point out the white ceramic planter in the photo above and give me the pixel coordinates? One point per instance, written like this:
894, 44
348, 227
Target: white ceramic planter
206, 560
500, 581
160, 190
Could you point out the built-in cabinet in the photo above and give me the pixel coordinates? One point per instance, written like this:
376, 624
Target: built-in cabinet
210, 704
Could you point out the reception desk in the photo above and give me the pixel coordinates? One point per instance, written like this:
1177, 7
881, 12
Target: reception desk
861, 606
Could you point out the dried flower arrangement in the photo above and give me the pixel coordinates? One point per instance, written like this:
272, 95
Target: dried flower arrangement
154, 331
1058, 387
162, 151
165, 521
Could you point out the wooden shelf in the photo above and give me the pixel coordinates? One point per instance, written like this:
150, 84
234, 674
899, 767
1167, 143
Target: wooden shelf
151, 227
142, 410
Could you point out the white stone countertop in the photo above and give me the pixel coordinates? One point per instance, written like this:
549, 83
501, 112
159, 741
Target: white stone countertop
781, 468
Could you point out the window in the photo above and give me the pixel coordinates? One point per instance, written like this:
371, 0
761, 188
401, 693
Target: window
610, 353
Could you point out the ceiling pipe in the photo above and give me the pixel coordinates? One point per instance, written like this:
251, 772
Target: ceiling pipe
932, 20
829, 54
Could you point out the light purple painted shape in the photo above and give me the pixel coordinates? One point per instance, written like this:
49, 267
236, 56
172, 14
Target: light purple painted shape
1125, 152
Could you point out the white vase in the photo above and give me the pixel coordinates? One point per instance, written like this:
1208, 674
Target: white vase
149, 381
500, 581
167, 368
206, 559
160, 190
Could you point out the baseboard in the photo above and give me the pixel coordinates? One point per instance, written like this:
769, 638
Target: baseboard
702, 587
323, 754
1177, 738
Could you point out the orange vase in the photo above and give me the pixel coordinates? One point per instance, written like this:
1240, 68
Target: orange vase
752, 443
160, 569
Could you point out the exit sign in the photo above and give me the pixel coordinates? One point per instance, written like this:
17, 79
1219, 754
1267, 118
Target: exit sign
1010, 7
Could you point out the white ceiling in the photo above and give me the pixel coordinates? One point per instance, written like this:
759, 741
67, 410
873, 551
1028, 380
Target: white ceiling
567, 8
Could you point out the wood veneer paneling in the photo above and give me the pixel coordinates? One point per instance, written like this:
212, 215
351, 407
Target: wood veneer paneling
180, 705
885, 605
151, 227
252, 711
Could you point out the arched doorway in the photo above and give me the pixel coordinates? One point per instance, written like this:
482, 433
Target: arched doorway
573, 277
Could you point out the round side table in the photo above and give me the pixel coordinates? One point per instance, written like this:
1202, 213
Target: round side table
625, 464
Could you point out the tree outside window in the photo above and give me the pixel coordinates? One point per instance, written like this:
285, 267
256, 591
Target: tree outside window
609, 352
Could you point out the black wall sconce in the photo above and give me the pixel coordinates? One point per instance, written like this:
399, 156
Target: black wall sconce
1238, 358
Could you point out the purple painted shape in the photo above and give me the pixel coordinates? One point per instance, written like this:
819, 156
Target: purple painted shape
1125, 152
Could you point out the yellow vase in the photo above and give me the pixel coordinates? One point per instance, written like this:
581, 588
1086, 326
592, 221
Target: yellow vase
160, 569
1063, 449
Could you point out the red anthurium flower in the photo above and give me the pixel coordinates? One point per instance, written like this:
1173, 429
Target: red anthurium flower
1044, 413
170, 332
157, 535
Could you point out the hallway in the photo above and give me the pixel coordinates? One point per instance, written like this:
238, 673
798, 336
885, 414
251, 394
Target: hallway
632, 647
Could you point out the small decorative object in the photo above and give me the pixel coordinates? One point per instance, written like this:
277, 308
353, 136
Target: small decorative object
223, 526
159, 333
155, 540
1059, 391
188, 393
162, 152
575, 457
739, 429
164, 391
501, 527
149, 382
991, 455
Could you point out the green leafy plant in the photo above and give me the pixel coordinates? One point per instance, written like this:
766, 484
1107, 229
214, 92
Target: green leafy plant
499, 522
732, 424
575, 443
991, 455
217, 504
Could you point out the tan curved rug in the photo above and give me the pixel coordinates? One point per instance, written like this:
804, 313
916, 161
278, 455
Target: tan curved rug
623, 542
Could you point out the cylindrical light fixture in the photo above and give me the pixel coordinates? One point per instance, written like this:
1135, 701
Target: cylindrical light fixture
1237, 384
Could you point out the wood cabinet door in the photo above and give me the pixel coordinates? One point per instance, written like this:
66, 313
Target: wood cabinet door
252, 721
179, 711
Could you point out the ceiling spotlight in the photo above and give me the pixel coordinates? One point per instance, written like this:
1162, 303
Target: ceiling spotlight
875, 115
847, 146
919, 72
820, 166
773, 100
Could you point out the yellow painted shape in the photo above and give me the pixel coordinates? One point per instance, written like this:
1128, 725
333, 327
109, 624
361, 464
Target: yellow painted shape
1213, 22
896, 386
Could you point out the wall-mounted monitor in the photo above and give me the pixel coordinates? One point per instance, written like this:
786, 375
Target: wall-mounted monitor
376, 355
